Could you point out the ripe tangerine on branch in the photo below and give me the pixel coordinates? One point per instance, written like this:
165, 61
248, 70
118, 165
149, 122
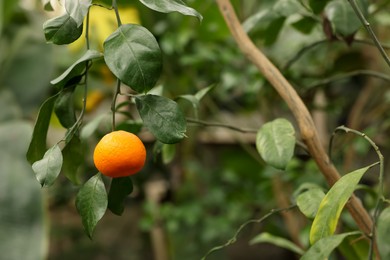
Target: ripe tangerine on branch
119, 154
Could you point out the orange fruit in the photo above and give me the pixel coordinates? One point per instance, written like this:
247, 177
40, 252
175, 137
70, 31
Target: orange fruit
119, 154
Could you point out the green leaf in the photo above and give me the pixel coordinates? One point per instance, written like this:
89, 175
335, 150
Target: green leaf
130, 126
64, 108
134, 56
37, 147
119, 190
328, 214
73, 159
309, 201
91, 127
382, 234
62, 30
77, 9
318, 5
272, 32
201, 93
324, 246
196, 98
342, 17
168, 153
277, 241
285, 8
162, 117
49, 167
47, 5
76, 68
91, 203
305, 25
168, 6
275, 142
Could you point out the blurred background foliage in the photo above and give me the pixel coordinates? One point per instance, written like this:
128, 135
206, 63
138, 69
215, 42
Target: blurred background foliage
192, 196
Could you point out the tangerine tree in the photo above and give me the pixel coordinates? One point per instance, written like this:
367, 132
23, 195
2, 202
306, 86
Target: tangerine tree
134, 57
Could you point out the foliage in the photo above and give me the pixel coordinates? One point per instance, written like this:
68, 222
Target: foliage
173, 73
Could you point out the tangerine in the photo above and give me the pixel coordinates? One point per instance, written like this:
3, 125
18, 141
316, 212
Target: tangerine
119, 154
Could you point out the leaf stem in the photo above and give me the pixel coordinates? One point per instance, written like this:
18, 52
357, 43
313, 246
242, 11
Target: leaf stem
113, 104
234, 238
118, 18
367, 25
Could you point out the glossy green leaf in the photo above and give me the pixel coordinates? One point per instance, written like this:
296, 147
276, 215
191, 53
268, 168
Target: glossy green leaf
72, 159
37, 147
91, 203
134, 56
76, 68
62, 30
275, 142
382, 234
168, 6
328, 214
119, 190
309, 201
77, 9
162, 117
322, 248
343, 18
277, 241
49, 167
64, 108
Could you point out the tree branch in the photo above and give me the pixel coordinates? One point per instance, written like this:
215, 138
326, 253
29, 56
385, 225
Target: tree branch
297, 107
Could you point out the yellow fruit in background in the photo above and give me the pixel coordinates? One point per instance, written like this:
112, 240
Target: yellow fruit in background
102, 22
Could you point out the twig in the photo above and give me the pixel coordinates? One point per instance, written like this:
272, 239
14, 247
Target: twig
301, 52
367, 25
234, 128
297, 107
381, 171
210, 124
348, 75
234, 238
311, 46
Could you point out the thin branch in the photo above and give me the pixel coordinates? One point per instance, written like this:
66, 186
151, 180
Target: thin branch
311, 46
210, 124
381, 172
342, 76
367, 25
301, 52
234, 238
289, 95
234, 128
